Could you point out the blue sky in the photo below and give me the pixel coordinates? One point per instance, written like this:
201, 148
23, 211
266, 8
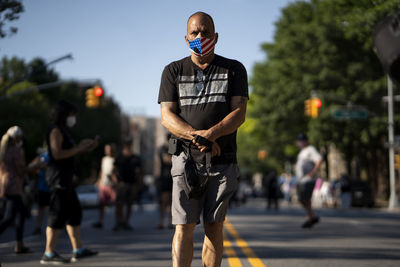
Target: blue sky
126, 44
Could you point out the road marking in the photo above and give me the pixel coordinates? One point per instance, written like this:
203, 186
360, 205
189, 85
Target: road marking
233, 260
251, 256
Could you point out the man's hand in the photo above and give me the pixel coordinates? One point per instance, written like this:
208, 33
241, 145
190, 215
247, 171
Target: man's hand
216, 150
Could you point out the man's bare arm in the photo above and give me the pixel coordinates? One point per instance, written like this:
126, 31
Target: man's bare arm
316, 168
230, 123
173, 122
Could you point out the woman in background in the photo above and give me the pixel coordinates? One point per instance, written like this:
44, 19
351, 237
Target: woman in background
12, 172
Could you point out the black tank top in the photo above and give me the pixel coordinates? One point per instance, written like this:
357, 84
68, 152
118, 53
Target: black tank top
60, 172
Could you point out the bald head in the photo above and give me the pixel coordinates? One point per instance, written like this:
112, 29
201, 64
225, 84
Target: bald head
201, 16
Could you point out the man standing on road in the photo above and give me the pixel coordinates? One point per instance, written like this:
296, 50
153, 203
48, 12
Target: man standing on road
203, 102
308, 162
128, 167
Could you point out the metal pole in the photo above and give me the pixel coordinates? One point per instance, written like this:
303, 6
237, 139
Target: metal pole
393, 201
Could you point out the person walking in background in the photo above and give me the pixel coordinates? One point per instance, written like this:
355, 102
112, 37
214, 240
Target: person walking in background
128, 168
64, 209
39, 164
308, 162
271, 190
106, 182
203, 101
164, 187
12, 172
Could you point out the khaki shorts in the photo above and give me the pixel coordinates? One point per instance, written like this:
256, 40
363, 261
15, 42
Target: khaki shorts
221, 186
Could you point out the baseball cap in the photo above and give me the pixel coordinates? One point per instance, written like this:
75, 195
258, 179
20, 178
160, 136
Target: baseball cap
302, 137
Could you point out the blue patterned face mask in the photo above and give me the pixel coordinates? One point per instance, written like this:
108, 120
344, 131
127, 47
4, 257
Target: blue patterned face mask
202, 46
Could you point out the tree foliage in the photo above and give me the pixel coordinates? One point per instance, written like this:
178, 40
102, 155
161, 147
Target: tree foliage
9, 11
322, 46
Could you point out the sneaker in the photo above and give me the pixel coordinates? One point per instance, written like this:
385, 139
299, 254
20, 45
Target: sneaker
85, 253
307, 224
315, 220
97, 225
53, 260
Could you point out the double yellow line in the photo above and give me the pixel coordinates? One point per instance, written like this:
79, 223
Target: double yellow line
230, 253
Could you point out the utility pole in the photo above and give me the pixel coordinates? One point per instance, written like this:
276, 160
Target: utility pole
393, 200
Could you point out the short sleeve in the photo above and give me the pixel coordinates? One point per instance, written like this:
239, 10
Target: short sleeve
314, 155
240, 86
168, 91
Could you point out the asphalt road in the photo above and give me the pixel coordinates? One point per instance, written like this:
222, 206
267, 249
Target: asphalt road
254, 237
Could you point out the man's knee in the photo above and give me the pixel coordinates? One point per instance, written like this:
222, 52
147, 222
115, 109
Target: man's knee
213, 229
185, 229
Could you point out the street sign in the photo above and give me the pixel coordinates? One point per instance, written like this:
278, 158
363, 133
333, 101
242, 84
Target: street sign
345, 113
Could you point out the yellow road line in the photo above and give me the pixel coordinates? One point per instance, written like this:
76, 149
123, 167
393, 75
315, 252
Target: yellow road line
233, 260
251, 256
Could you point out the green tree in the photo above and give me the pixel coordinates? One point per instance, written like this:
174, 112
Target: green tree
9, 11
322, 46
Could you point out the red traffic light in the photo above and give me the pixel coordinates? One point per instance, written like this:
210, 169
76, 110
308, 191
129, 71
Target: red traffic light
317, 102
98, 91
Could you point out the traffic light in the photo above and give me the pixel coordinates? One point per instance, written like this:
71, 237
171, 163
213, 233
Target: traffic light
311, 107
307, 107
94, 97
262, 154
397, 160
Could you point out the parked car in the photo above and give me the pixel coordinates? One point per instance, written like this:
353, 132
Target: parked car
88, 195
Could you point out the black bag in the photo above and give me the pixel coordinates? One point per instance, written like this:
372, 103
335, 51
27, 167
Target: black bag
195, 182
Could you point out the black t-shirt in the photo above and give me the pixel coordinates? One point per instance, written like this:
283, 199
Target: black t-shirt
128, 168
203, 96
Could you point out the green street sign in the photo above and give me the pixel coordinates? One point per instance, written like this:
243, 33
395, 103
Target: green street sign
350, 114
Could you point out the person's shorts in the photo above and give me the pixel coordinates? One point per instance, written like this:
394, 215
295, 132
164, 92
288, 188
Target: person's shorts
126, 193
214, 203
107, 194
305, 190
43, 198
64, 208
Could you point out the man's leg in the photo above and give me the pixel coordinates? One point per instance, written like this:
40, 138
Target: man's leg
213, 244
41, 212
307, 206
74, 233
182, 245
118, 214
128, 213
101, 212
51, 239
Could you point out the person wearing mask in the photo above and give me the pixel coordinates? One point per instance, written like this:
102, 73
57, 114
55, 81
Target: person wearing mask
308, 162
203, 101
12, 172
106, 182
64, 208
